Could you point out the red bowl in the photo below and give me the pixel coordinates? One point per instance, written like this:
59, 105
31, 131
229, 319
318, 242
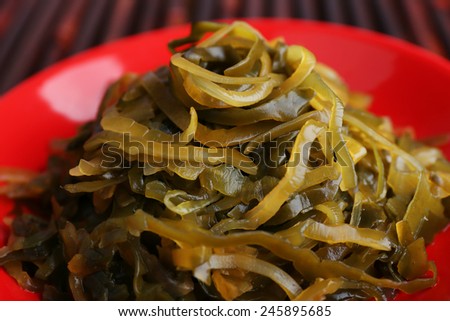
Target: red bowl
408, 84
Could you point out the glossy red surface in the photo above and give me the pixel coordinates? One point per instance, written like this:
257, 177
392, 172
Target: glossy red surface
408, 84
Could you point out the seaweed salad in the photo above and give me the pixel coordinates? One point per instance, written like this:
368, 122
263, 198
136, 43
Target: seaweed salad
244, 170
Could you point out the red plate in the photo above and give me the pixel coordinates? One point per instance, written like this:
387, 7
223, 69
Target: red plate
408, 84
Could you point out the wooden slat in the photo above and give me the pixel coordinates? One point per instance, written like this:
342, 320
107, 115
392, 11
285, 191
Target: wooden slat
29, 45
391, 23
420, 24
307, 9
176, 12
203, 10
152, 15
362, 14
120, 20
281, 8
14, 30
90, 25
7, 11
253, 8
65, 32
335, 11
230, 8
70, 23
440, 13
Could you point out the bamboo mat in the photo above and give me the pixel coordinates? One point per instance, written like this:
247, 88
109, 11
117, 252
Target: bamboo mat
36, 33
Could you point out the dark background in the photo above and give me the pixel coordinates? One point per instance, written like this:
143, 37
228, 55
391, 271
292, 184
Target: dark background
36, 33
